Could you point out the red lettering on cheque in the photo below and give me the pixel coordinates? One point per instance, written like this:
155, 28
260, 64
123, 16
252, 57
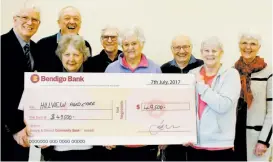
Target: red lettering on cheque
155, 108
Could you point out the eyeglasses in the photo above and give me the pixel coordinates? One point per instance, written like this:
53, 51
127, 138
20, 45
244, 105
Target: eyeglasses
178, 48
26, 19
106, 37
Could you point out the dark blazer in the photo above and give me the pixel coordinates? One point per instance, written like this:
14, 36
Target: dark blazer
100, 62
13, 66
48, 60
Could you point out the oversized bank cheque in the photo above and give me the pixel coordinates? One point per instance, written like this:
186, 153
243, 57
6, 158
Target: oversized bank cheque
109, 109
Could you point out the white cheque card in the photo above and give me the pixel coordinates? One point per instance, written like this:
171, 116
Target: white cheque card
110, 109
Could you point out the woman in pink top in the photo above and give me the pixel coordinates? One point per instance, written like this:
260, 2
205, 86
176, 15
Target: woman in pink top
217, 93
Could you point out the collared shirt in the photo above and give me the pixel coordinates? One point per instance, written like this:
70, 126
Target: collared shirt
172, 66
143, 63
23, 43
58, 36
119, 67
192, 60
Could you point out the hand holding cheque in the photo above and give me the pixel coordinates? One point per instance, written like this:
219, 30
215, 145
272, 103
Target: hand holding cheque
109, 109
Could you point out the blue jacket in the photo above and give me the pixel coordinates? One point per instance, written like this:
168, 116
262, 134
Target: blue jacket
216, 128
118, 67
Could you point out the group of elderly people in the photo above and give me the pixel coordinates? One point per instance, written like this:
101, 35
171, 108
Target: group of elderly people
234, 119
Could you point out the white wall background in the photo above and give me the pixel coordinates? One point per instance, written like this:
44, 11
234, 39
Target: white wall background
161, 20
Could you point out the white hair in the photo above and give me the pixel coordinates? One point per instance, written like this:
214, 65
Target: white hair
179, 37
109, 27
138, 32
212, 41
250, 35
62, 10
26, 7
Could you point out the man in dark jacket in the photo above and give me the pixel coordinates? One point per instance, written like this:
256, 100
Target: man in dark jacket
98, 64
110, 51
183, 60
19, 55
69, 22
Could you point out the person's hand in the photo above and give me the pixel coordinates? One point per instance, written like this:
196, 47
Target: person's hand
188, 144
162, 147
21, 137
260, 149
27, 129
110, 147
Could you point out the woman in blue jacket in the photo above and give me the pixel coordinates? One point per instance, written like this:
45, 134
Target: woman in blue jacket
217, 93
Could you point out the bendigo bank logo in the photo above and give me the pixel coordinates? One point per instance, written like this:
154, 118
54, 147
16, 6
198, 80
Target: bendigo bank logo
34, 78
60, 79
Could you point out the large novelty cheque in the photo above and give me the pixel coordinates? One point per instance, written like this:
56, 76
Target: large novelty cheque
109, 109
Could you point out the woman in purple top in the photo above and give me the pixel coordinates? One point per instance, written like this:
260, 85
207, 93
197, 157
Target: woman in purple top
132, 60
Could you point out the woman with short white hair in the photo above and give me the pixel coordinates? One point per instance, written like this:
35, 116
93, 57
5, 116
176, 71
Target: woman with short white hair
217, 93
254, 125
132, 60
73, 54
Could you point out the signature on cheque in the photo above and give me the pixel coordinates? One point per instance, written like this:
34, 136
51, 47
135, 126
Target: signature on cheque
162, 127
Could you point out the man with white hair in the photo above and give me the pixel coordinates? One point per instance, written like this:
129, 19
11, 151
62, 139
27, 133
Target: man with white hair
110, 52
69, 22
183, 61
19, 55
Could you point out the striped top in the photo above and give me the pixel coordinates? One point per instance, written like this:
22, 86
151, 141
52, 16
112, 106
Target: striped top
259, 114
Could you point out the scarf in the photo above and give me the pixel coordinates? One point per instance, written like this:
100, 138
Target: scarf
245, 71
